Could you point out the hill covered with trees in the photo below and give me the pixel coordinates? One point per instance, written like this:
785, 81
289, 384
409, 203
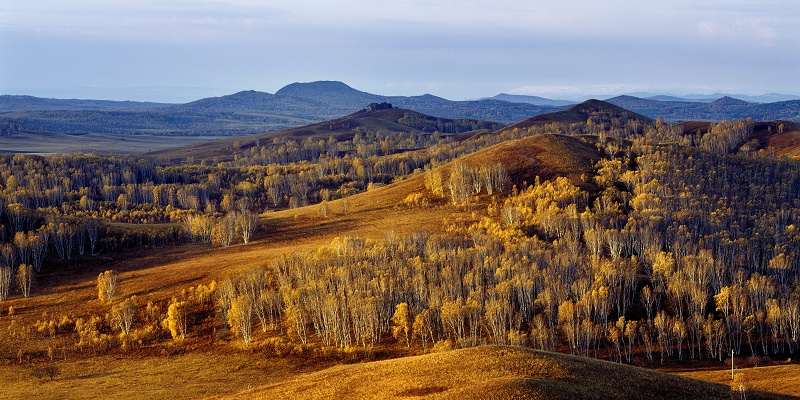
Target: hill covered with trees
595, 232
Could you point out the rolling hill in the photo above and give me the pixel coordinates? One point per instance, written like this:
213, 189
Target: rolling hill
390, 119
580, 113
492, 373
545, 156
213, 361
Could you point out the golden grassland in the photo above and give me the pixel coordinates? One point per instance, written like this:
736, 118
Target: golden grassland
783, 379
490, 372
191, 375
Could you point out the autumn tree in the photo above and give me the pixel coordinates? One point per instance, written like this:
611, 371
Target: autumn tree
25, 279
247, 223
224, 230
123, 315
92, 227
5, 282
240, 317
433, 182
177, 321
402, 324
107, 284
460, 183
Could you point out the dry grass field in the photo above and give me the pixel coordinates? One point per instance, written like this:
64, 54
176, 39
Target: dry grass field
492, 373
192, 375
783, 379
785, 144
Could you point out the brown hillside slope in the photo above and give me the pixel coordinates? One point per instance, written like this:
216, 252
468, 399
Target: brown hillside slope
775, 378
784, 144
491, 373
547, 156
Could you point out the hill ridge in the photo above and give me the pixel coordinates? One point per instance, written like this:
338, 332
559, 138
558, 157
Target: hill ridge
491, 372
579, 113
393, 119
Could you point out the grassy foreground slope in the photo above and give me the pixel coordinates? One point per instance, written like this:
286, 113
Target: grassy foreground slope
491, 372
784, 379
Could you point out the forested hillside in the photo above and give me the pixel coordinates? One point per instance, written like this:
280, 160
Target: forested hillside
604, 235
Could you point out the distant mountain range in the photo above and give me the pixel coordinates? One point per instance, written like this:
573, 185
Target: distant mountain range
722, 108
536, 100
299, 104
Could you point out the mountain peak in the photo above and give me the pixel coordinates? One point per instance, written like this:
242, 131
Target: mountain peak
727, 101
301, 88
579, 113
535, 100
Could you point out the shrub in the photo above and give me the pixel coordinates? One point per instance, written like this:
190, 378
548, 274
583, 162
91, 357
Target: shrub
50, 371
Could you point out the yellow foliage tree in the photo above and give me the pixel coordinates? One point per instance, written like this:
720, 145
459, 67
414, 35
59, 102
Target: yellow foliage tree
240, 317
107, 282
402, 324
177, 318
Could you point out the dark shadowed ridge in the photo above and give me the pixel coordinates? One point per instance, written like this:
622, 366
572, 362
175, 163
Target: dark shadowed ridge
244, 100
725, 102
535, 100
31, 103
393, 119
330, 93
579, 113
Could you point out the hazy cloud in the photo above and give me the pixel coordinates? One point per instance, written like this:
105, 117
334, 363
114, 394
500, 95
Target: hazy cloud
456, 49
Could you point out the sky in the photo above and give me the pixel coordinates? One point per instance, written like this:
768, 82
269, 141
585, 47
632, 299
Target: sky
182, 50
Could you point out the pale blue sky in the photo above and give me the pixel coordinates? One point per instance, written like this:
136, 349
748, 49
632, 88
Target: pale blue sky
182, 50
